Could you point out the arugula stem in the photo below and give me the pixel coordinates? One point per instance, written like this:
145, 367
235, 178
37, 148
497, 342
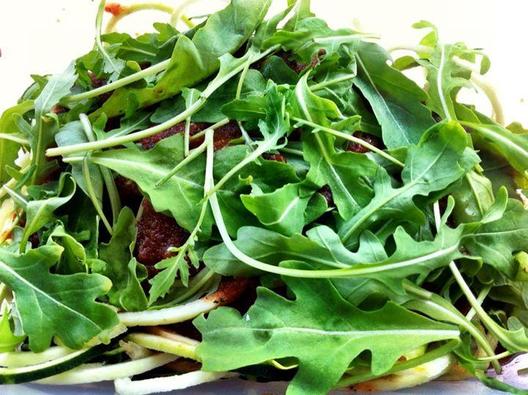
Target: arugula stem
113, 193
15, 138
92, 195
427, 299
191, 156
488, 322
494, 358
98, 30
202, 279
350, 138
325, 84
292, 151
480, 299
409, 364
152, 70
129, 138
261, 149
217, 125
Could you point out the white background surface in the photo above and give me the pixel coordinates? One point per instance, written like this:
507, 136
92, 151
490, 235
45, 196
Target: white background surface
43, 36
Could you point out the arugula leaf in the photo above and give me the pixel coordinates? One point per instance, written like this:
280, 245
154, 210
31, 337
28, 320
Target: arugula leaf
440, 159
57, 87
513, 147
281, 210
117, 263
473, 196
275, 327
40, 212
73, 258
8, 340
395, 99
180, 195
344, 172
274, 248
8, 125
73, 133
497, 241
55, 305
445, 76
195, 59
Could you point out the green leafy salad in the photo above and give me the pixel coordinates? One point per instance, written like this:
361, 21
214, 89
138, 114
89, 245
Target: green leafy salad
240, 195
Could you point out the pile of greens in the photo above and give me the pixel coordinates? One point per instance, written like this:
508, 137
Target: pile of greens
382, 225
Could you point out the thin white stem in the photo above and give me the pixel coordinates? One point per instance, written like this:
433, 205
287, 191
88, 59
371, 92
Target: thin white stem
94, 374
172, 315
169, 383
15, 138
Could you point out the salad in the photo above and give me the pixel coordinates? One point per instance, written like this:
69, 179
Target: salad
261, 197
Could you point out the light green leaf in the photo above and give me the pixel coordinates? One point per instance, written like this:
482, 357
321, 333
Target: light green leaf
73, 258
346, 173
281, 210
8, 340
8, 148
55, 305
473, 197
57, 87
275, 327
323, 249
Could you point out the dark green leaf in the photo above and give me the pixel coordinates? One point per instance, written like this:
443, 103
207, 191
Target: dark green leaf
55, 305
275, 327
441, 158
117, 263
395, 99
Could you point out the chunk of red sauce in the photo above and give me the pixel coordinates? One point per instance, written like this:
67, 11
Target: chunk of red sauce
360, 149
156, 233
115, 9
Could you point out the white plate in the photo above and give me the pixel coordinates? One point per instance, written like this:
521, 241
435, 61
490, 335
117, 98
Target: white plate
239, 387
